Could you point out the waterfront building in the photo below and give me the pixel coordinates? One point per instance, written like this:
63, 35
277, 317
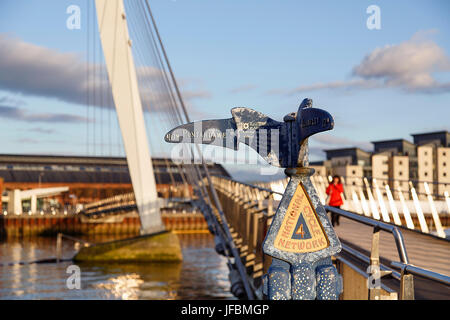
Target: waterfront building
395, 163
88, 178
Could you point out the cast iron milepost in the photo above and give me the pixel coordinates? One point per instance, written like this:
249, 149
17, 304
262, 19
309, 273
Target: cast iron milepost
301, 239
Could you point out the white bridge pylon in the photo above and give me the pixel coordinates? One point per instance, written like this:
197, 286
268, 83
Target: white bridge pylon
122, 77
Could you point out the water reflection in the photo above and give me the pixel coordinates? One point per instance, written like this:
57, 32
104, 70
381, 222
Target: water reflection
202, 275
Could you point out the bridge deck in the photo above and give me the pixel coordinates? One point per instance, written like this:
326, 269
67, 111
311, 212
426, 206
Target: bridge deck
423, 251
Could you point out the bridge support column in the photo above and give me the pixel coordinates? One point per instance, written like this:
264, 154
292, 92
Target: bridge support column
33, 203
116, 45
1, 192
15, 202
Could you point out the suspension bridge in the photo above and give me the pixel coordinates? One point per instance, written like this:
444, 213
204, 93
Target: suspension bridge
392, 243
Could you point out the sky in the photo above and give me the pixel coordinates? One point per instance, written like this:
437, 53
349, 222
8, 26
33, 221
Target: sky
267, 55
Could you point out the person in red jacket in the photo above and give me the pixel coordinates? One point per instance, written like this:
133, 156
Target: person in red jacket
334, 190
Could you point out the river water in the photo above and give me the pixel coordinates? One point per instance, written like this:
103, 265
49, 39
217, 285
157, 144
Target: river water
203, 274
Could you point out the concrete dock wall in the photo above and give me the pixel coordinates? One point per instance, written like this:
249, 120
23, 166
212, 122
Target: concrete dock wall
19, 226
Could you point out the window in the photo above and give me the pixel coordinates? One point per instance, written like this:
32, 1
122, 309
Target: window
425, 163
444, 164
444, 174
353, 172
425, 153
426, 174
400, 173
400, 163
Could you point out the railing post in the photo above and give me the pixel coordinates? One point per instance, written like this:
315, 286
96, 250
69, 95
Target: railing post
406, 286
419, 212
406, 213
434, 213
58, 247
374, 282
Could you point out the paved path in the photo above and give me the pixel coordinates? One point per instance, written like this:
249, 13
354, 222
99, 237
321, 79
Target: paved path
423, 251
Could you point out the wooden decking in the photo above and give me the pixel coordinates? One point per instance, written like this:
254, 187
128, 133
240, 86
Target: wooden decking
423, 251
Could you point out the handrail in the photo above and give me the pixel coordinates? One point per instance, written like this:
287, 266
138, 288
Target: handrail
59, 238
411, 269
377, 226
396, 233
366, 259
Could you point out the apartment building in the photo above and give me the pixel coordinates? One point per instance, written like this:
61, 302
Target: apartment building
380, 167
426, 167
348, 156
393, 162
443, 169
438, 138
396, 163
399, 175
352, 174
321, 168
395, 147
433, 150
352, 164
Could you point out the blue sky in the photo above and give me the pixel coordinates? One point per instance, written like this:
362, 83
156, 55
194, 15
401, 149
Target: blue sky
264, 54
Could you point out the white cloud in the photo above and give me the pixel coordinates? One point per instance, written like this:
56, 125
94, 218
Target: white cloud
331, 141
34, 70
351, 84
409, 66
243, 88
19, 114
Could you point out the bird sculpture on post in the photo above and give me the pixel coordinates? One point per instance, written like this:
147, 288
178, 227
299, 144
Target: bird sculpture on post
301, 239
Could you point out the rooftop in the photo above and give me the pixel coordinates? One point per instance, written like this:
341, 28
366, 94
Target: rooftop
347, 149
430, 133
393, 140
78, 169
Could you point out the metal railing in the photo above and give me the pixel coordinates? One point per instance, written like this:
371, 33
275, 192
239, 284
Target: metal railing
424, 273
405, 205
249, 210
407, 270
396, 233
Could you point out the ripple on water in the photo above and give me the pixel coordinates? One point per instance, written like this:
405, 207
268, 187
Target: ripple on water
202, 275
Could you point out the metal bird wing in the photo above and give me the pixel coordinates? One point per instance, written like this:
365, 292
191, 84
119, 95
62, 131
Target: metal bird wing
248, 126
221, 132
276, 142
261, 133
